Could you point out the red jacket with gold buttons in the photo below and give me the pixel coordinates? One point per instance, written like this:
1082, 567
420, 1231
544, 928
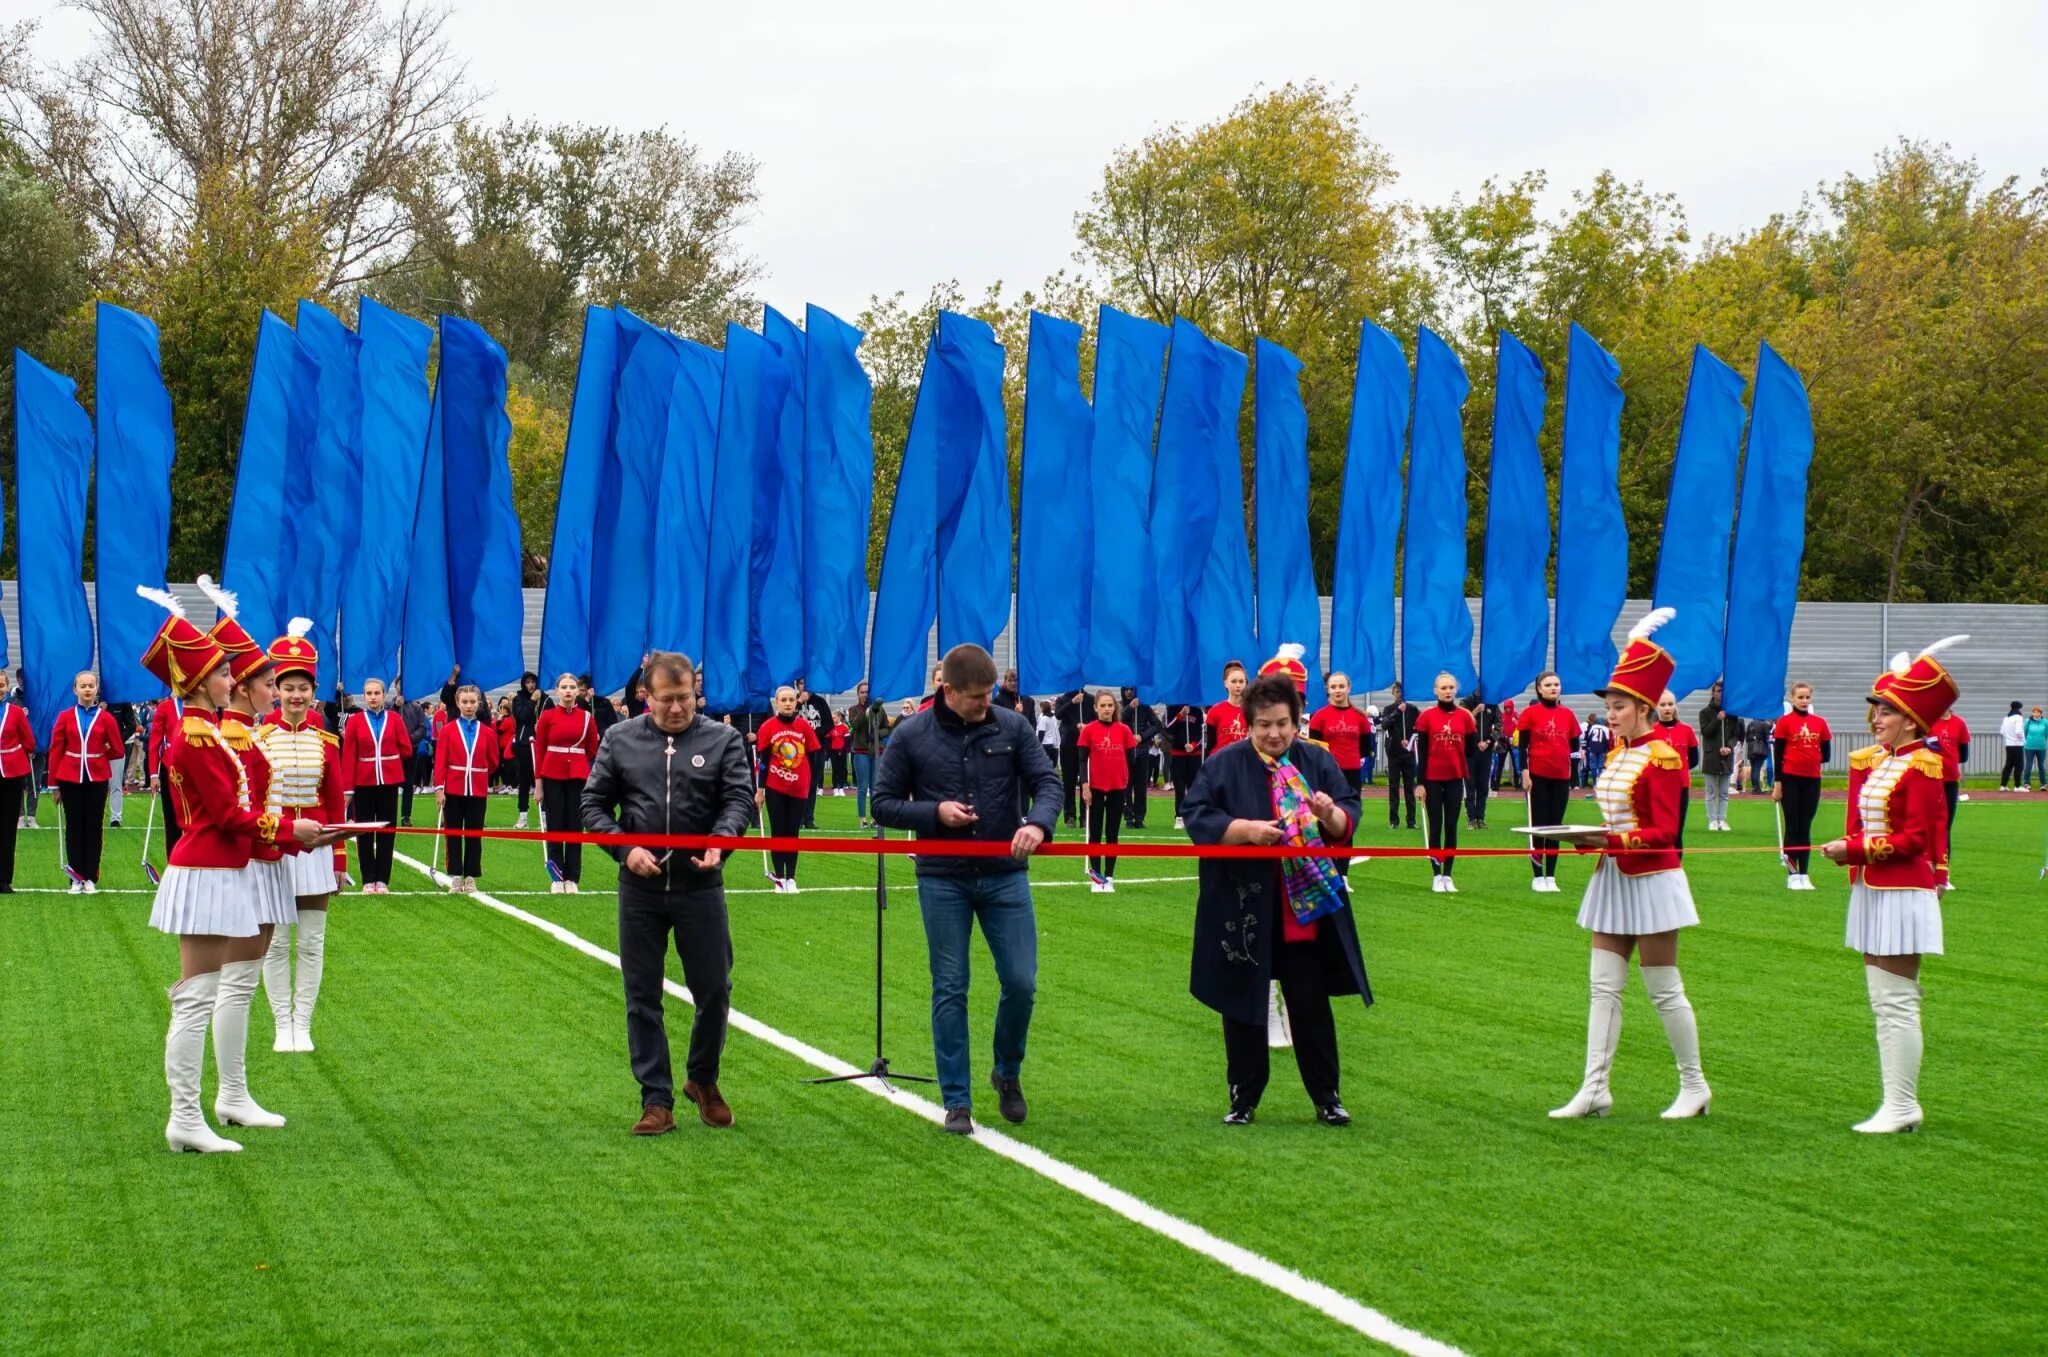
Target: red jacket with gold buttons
1898, 818
1639, 793
221, 822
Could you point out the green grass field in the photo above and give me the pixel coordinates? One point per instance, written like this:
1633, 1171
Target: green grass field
457, 1174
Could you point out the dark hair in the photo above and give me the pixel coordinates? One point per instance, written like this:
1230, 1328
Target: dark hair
669, 665
1273, 690
1238, 665
968, 666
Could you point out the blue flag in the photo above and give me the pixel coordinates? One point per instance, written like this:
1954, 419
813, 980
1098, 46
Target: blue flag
1770, 541
1120, 617
779, 494
682, 528
1514, 631
565, 616
975, 536
907, 596
327, 540
132, 506
486, 605
429, 629
1692, 565
621, 576
277, 424
1186, 508
1055, 530
839, 481
1289, 611
391, 364
1225, 628
53, 451
749, 407
1592, 566
1436, 626
1369, 519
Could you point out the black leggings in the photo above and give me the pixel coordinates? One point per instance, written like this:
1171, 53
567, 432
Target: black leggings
1441, 800
1548, 799
373, 851
1184, 767
1105, 818
561, 808
465, 856
785, 819
522, 773
1685, 805
1400, 782
85, 826
1801, 803
11, 791
2015, 763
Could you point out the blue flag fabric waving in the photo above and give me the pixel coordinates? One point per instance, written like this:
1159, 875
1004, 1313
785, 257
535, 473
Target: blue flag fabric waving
565, 616
620, 575
1692, 565
132, 504
1770, 540
1055, 531
486, 606
1436, 626
749, 406
1592, 570
1369, 518
839, 487
907, 596
429, 630
1225, 628
53, 448
391, 364
1185, 509
276, 421
779, 519
682, 527
328, 537
1289, 610
1120, 615
1514, 632
973, 466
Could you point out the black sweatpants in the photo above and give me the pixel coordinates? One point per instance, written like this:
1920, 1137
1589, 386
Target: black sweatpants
1139, 761
1400, 783
1952, 792
648, 915
785, 818
561, 806
817, 758
465, 856
85, 826
1248, 1060
1183, 767
1801, 803
1105, 817
1070, 781
1548, 799
12, 792
2015, 763
1477, 784
1441, 798
1684, 807
522, 773
373, 851
840, 782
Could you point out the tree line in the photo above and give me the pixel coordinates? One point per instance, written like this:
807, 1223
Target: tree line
202, 162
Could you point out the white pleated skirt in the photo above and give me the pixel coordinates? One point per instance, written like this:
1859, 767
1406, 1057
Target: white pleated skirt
217, 901
311, 873
1893, 922
1635, 905
271, 884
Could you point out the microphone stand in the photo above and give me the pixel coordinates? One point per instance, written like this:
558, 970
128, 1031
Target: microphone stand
879, 1071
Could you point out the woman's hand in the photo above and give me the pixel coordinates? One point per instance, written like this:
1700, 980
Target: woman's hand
1777, 791
1526, 784
1329, 814
1085, 789
760, 796
1263, 833
1836, 852
440, 798
305, 832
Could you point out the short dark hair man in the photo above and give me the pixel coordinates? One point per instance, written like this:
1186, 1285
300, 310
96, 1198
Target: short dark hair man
958, 770
666, 772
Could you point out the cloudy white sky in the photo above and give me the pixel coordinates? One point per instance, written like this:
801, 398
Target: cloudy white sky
902, 144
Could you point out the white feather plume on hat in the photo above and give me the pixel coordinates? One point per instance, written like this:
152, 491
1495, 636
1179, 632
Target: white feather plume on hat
298, 627
1291, 650
228, 604
1652, 620
163, 598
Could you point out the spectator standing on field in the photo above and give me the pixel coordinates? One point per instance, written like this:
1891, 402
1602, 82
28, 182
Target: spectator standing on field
2037, 752
2013, 731
1721, 737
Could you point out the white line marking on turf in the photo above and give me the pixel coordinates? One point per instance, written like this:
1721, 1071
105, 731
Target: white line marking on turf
1331, 1302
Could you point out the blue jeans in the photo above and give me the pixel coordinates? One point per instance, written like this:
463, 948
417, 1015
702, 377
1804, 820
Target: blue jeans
2036, 766
950, 905
863, 782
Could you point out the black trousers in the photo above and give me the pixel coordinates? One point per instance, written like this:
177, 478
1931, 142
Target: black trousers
167, 809
1140, 762
839, 777
817, 759
465, 856
1105, 817
85, 826
373, 851
1070, 781
12, 791
1801, 802
404, 799
522, 773
1477, 783
647, 917
1248, 1060
1183, 768
561, 806
1685, 806
2015, 763
785, 818
1441, 797
1951, 792
1548, 799
1400, 783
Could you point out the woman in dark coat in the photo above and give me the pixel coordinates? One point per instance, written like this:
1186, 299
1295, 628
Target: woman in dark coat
1245, 934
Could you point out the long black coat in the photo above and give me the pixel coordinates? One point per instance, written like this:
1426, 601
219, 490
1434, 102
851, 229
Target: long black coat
1237, 910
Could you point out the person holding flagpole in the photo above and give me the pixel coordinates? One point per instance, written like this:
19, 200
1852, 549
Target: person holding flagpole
1449, 745
787, 743
464, 759
83, 748
1803, 745
375, 753
564, 745
1546, 732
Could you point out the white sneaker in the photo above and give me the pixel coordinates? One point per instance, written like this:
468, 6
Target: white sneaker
790, 888
568, 888
1536, 883
1450, 886
1962, 796
77, 888
555, 887
92, 888
1095, 888
1436, 883
1109, 886
520, 823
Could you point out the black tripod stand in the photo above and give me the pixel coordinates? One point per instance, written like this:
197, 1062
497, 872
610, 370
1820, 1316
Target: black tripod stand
879, 1071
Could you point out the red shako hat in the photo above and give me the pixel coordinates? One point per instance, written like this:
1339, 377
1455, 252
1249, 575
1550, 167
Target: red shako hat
1288, 662
293, 653
181, 655
245, 657
1923, 689
1644, 670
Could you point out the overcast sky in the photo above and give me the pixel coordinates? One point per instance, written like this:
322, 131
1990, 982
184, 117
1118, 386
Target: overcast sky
903, 144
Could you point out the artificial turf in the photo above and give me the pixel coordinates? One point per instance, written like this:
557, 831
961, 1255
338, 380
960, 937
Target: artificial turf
457, 1174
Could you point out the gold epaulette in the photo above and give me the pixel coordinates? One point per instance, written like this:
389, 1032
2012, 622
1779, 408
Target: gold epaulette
1664, 756
199, 730
237, 736
328, 737
1866, 759
1928, 763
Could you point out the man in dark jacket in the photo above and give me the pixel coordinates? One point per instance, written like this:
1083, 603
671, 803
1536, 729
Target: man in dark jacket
816, 713
1757, 736
956, 771
1146, 725
670, 772
1397, 731
1721, 735
1072, 710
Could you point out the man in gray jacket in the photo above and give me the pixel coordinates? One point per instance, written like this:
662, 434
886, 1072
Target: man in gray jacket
667, 772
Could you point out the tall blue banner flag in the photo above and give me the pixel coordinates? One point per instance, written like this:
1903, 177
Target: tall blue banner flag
1185, 511
1436, 624
682, 528
1055, 531
973, 473
1289, 610
779, 519
1514, 630
1770, 540
257, 565
1121, 612
565, 615
749, 408
1592, 567
1692, 565
839, 487
429, 629
620, 575
132, 503
906, 598
328, 537
1369, 517
53, 451
486, 604
391, 365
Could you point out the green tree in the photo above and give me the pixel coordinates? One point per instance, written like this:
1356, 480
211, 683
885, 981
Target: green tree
43, 278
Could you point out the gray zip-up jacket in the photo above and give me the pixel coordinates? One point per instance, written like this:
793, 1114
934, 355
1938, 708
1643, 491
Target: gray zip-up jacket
646, 781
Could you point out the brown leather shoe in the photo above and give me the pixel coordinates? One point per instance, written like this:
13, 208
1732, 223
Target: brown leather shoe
711, 1108
655, 1120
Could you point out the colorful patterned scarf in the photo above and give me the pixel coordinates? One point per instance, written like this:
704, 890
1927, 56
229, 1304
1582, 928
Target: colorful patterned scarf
1312, 886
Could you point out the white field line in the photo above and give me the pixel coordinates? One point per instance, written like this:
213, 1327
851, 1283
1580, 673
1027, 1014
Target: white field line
1325, 1299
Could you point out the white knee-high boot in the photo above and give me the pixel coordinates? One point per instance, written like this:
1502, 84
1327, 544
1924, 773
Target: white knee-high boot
1603, 1034
306, 984
1278, 1034
277, 985
1895, 1001
1681, 1029
232, 1105
185, 1060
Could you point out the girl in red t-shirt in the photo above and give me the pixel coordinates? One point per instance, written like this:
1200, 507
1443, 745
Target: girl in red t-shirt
786, 742
1106, 743
1686, 741
1802, 745
1546, 733
1449, 741
840, 732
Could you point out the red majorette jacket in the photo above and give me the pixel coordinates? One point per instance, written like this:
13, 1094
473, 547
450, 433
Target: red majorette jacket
305, 772
211, 788
564, 744
82, 750
1638, 794
464, 769
371, 757
17, 742
1898, 818
163, 724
